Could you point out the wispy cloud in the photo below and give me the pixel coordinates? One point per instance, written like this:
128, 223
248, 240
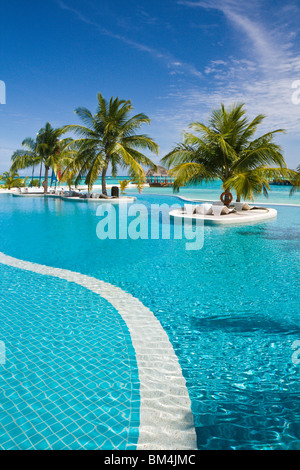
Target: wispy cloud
174, 64
244, 17
259, 72
262, 75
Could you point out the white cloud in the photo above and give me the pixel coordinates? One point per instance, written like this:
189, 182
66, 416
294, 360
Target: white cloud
171, 62
259, 74
262, 78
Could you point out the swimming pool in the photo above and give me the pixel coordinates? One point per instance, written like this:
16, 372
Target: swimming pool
70, 379
231, 309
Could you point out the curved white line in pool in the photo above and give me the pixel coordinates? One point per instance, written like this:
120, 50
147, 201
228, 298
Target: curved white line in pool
166, 420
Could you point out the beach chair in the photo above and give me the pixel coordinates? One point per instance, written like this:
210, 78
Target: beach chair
189, 209
203, 209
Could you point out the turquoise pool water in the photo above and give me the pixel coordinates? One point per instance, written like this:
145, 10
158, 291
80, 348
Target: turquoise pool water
70, 379
212, 191
231, 309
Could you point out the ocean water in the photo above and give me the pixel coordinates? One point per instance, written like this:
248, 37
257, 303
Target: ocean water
212, 191
231, 309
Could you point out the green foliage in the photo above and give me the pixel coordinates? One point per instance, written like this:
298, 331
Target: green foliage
11, 179
123, 185
46, 150
226, 149
295, 180
34, 183
109, 138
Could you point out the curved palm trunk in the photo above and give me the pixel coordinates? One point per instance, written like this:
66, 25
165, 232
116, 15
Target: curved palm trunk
46, 180
40, 180
104, 171
32, 175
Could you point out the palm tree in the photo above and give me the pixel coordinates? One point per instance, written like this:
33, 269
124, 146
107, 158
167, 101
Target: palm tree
12, 179
109, 138
44, 150
27, 157
49, 148
295, 181
70, 174
226, 150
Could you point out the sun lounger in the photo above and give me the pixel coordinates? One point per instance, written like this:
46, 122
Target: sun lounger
189, 209
203, 209
241, 206
217, 210
222, 210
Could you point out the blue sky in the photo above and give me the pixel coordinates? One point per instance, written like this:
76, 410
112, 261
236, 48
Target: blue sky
175, 59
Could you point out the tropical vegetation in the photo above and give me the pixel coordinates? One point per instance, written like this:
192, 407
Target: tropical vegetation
109, 138
46, 151
226, 149
295, 181
11, 179
123, 185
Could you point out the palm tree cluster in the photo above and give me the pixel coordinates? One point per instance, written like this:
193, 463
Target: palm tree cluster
43, 151
108, 137
225, 149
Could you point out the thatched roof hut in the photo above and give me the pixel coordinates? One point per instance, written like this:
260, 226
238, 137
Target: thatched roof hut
158, 176
159, 171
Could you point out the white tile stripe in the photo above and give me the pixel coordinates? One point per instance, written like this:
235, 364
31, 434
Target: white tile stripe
166, 420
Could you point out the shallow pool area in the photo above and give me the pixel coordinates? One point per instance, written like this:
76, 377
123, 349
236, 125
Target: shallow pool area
229, 309
70, 380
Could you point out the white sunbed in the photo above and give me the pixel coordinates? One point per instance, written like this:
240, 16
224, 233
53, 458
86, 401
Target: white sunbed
222, 210
204, 209
217, 210
189, 209
241, 206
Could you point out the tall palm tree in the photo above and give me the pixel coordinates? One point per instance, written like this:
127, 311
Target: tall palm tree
295, 181
226, 150
49, 148
44, 150
27, 157
109, 138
